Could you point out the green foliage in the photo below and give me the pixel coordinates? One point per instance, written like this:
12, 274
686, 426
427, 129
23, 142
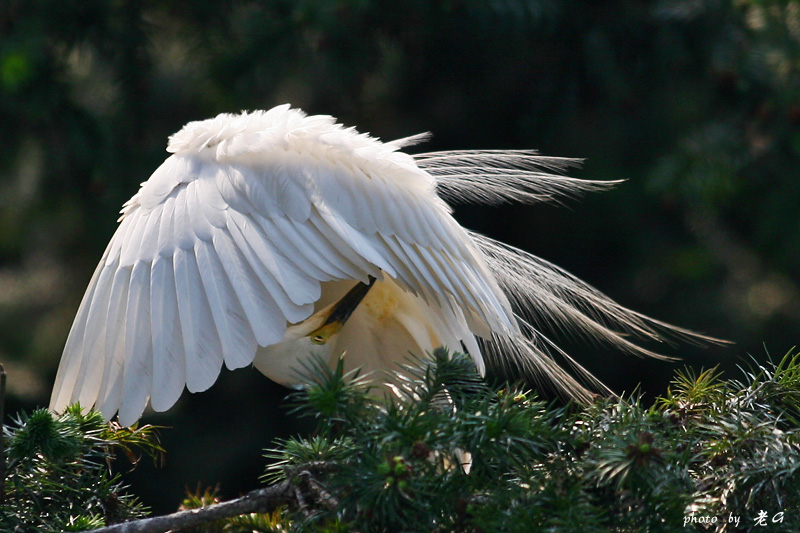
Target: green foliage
709, 449
337, 398
57, 475
446, 452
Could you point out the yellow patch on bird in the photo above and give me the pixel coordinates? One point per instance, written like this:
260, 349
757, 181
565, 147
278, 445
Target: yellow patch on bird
435, 340
383, 299
390, 306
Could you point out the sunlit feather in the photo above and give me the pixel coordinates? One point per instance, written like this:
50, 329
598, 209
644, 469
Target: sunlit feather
243, 244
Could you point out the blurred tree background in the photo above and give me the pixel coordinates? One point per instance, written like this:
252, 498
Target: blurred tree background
694, 102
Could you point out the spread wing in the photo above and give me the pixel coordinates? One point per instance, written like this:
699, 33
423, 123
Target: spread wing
231, 238
229, 241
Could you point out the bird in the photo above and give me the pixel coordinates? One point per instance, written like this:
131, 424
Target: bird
274, 238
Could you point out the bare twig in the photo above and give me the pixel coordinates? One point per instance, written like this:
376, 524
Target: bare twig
265, 500
323, 496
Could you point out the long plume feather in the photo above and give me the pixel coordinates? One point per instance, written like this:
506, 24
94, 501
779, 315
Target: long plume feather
544, 296
495, 177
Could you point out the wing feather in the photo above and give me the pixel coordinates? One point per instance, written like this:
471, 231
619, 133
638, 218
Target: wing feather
280, 189
469, 291
395, 212
230, 240
290, 243
410, 215
322, 235
201, 340
364, 255
183, 233
292, 193
262, 313
166, 235
149, 247
209, 196
336, 190
361, 213
312, 239
131, 241
169, 359
237, 338
123, 235
137, 380
428, 256
431, 288
110, 389
292, 289
406, 275
91, 369
68, 370
200, 227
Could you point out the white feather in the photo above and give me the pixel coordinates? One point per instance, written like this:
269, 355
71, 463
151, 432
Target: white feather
235, 333
290, 244
201, 340
148, 246
137, 382
199, 227
311, 240
262, 314
275, 278
184, 234
87, 384
504, 176
110, 386
405, 274
123, 235
167, 241
364, 256
130, 241
357, 266
257, 223
64, 387
169, 359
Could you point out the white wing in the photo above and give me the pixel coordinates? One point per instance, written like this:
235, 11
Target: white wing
233, 236
229, 241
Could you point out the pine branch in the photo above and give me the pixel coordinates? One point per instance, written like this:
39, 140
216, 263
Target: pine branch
300, 490
265, 500
711, 448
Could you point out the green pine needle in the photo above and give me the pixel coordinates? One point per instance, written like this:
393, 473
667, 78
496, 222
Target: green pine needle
449, 453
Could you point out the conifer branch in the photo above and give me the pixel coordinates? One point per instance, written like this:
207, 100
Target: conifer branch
265, 500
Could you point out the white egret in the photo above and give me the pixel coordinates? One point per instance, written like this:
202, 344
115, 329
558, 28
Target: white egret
270, 237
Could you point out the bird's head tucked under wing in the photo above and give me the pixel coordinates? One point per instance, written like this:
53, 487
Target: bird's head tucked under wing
270, 236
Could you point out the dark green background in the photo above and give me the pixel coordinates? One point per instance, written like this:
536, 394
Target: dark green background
695, 103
